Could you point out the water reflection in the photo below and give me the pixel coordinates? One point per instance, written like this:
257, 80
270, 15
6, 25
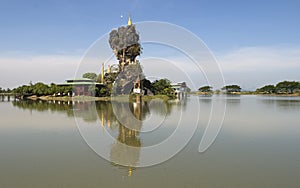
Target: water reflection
120, 153
42, 106
283, 103
123, 120
259, 138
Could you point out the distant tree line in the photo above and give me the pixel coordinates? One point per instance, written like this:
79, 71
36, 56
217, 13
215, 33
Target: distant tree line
41, 89
285, 87
226, 89
5, 91
157, 87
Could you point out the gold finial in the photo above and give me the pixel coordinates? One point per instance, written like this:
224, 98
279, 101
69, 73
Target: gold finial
129, 21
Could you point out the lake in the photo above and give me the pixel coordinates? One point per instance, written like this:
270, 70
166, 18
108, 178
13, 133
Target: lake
57, 144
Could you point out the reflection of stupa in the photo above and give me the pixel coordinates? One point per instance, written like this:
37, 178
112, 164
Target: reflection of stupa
120, 152
126, 149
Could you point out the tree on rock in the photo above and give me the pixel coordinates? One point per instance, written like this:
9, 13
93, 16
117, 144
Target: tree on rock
124, 41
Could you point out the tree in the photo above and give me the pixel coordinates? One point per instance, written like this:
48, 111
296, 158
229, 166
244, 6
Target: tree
232, 88
40, 89
205, 89
109, 78
90, 75
24, 90
1, 90
287, 87
267, 89
147, 85
104, 92
163, 87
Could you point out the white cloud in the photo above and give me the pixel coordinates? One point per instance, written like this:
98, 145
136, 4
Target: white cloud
16, 71
260, 58
253, 67
250, 67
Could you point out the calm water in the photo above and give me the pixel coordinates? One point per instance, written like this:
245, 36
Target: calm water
258, 145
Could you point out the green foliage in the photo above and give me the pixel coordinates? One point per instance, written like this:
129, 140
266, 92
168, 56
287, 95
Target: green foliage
163, 87
289, 87
160, 85
104, 92
267, 89
285, 87
41, 89
109, 78
232, 88
90, 75
205, 89
24, 90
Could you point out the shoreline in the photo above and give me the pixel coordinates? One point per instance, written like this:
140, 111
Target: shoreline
246, 93
122, 98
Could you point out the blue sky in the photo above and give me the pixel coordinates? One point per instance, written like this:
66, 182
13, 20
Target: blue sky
67, 28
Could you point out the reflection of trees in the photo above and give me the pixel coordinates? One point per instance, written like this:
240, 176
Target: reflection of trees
41, 106
90, 111
287, 104
233, 101
205, 99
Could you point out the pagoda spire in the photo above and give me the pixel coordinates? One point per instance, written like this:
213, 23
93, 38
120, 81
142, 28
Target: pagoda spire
129, 21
